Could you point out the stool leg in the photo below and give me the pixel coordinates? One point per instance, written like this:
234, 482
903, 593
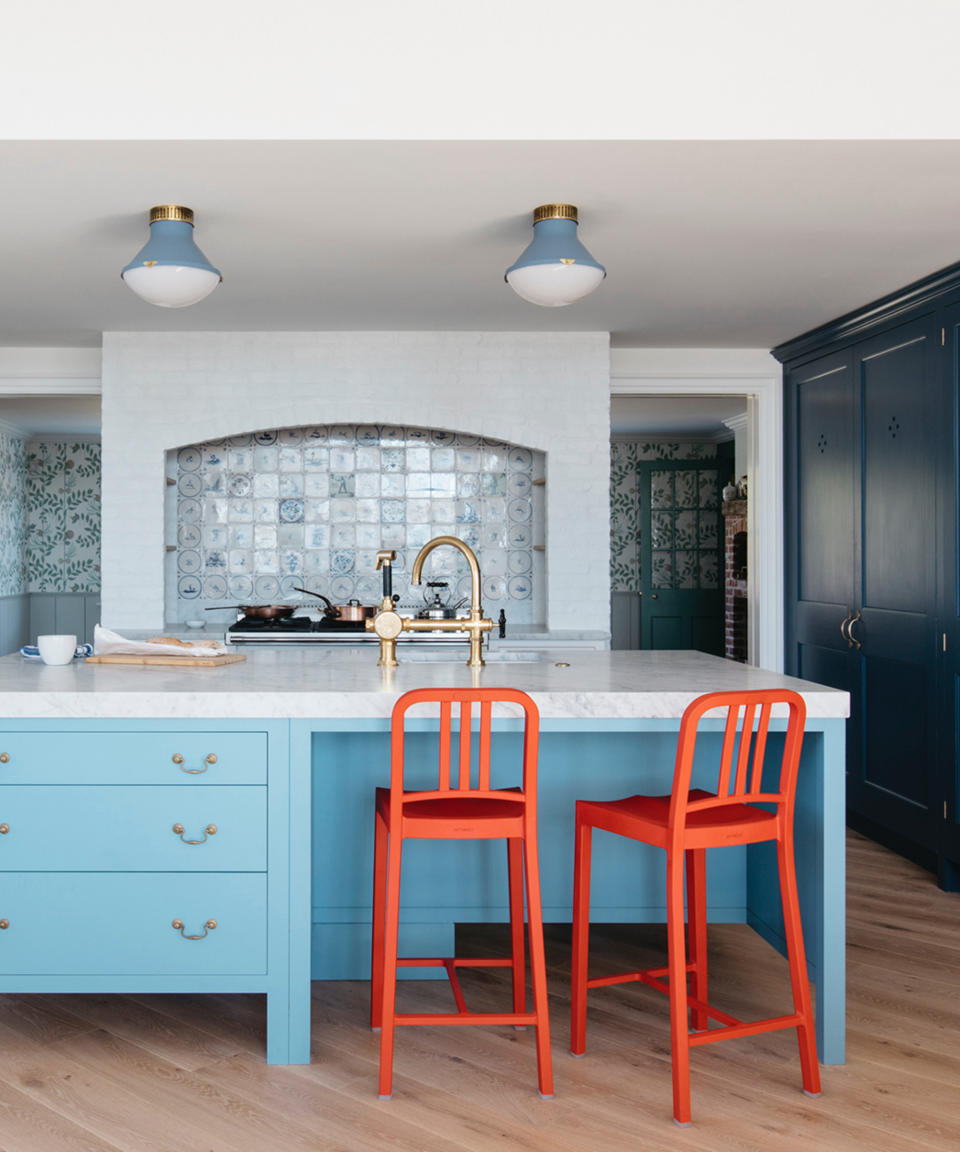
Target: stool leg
677, 960
379, 913
581, 936
696, 861
391, 930
538, 962
515, 880
796, 956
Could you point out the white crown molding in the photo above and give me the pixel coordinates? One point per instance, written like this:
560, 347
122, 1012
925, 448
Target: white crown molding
13, 430
716, 437
50, 372
50, 386
738, 423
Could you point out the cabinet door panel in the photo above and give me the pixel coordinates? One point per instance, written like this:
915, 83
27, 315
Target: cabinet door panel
899, 482
825, 476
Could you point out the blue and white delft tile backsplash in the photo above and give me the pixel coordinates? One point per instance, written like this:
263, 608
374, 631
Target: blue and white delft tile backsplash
63, 516
259, 515
13, 521
625, 507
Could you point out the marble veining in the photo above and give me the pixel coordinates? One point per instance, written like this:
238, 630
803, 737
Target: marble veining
333, 684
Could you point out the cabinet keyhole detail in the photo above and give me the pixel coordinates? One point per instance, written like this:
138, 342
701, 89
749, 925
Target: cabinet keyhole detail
893, 427
822, 444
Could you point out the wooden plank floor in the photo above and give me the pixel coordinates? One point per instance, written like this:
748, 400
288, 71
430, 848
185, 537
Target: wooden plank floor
186, 1074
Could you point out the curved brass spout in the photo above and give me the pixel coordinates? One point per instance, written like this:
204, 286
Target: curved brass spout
388, 624
468, 555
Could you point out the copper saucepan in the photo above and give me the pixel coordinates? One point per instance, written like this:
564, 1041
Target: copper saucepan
353, 611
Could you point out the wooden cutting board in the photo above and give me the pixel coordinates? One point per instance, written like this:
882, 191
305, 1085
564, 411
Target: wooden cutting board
171, 661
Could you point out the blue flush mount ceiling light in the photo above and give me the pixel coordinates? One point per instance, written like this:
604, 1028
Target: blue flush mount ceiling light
170, 270
555, 268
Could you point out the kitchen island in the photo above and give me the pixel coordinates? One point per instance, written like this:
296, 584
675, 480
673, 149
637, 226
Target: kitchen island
210, 829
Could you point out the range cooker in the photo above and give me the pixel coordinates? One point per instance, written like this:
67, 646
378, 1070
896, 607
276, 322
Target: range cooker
307, 630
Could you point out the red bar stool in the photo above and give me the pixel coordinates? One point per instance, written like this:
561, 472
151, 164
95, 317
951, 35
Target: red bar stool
468, 809
685, 824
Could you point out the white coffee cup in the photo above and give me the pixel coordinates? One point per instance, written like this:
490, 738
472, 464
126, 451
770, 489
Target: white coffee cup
57, 649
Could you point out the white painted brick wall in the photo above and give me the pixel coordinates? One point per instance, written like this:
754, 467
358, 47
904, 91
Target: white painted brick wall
547, 391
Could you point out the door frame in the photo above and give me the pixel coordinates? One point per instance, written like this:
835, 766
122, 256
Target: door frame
755, 374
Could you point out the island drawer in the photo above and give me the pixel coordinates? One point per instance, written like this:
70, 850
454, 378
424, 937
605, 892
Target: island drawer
94, 923
161, 756
139, 828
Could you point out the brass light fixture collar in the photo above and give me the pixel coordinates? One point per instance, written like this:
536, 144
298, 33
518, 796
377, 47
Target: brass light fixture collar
178, 212
555, 212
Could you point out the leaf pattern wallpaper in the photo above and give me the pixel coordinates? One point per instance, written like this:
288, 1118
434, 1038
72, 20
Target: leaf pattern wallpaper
13, 483
63, 516
625, 511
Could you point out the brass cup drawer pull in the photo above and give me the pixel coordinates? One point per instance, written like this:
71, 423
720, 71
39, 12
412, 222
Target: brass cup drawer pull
4, 923
4, 757
210, 830
208, 760
208, 927
4, 829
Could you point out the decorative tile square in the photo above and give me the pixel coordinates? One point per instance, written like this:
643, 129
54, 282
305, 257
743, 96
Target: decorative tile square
368, 511
343, 509
468, 459
265, 511
266, 484
290, 536
266, 459
442, 459
368, 460
317, 536
316, 511
267, 562
393, 484
291, 460
343, 535
342, 459
393, 460
316, 458
265, 536
290, 511
342, 484
291, 484
367, 485
369, 536
418, 460
316, 484
341, 561
418, 512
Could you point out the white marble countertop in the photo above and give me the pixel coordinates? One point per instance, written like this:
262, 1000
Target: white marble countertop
328, 683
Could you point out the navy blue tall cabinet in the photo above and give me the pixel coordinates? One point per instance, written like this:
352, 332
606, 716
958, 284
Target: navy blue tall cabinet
873, 603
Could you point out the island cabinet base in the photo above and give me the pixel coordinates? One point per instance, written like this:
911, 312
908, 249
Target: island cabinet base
153, 857
448, 883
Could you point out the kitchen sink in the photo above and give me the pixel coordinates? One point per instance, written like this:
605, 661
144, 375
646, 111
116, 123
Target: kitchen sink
459, 656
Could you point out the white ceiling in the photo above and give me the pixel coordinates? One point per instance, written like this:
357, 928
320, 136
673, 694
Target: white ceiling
706, 244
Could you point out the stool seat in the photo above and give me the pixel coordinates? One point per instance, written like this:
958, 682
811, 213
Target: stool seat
486, 818
462, 805
746, 807
648, 818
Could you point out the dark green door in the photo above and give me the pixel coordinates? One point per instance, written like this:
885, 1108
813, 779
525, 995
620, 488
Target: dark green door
681, 546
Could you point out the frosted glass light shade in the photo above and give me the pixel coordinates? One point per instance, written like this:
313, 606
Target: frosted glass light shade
555, 269
170, 270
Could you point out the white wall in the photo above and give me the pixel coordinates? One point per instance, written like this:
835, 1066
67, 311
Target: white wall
546, 391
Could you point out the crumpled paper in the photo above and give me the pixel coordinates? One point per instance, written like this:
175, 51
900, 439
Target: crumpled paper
107, 643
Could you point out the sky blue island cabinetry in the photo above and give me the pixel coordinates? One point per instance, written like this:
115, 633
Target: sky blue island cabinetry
208, 830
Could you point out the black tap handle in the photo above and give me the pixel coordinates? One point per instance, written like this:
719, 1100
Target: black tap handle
502, 623
387, 581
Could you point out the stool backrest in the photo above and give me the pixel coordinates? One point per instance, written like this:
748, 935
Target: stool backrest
743, 751
467, 774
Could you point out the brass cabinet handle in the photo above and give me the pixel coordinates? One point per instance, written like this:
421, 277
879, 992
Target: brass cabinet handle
210, 830
4, 757
4, 923
210, 758
4, 829
208, 927
850, 635
844, 623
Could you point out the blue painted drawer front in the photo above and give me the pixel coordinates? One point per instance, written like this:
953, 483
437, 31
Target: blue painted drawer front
133, 757
91, 923
129, 829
